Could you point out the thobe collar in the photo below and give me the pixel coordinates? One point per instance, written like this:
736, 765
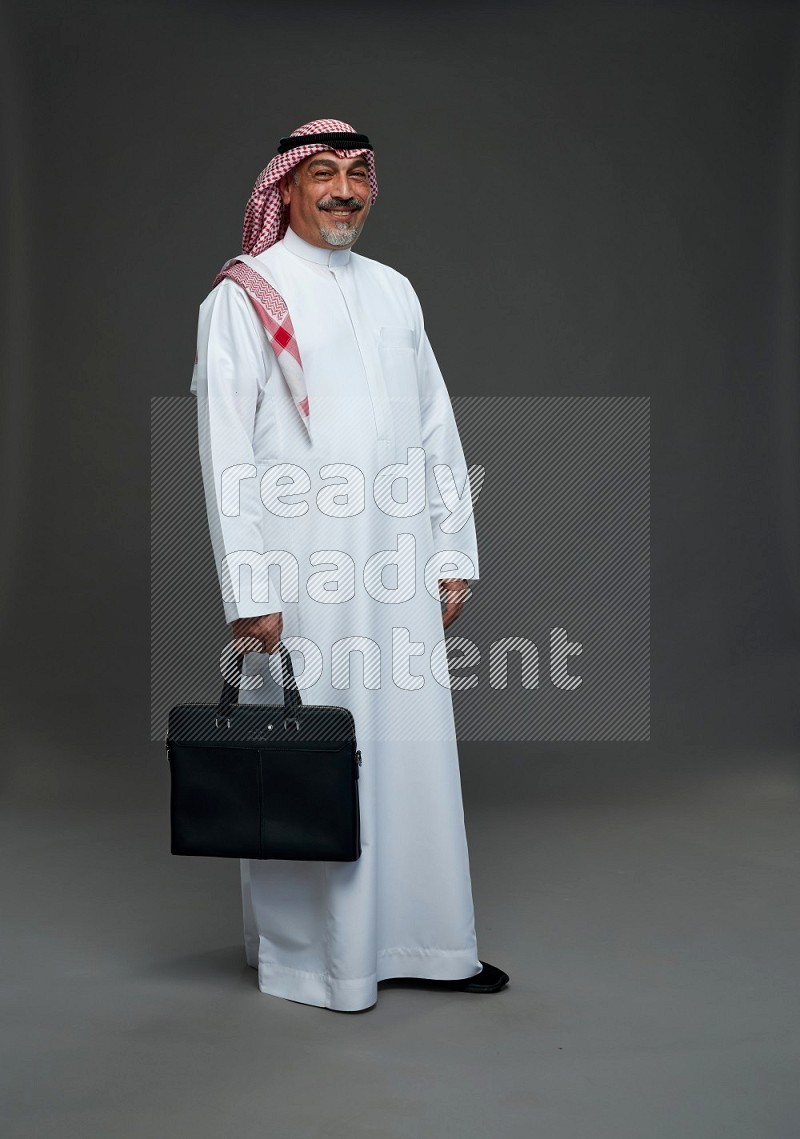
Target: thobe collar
332, 258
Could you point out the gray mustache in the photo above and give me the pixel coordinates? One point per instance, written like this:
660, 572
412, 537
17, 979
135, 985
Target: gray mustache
340, 204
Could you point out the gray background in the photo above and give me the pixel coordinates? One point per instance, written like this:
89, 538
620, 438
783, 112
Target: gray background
589, 199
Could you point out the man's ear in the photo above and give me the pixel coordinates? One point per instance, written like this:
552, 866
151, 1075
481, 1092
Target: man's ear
283, 187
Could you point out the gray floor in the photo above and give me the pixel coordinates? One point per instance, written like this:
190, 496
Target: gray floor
644, 903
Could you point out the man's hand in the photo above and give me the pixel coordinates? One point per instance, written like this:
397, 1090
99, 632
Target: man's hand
454, 591
266, 629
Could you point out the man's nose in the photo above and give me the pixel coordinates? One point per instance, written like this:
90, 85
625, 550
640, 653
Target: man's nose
342, 187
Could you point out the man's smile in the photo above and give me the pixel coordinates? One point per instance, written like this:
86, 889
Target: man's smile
341, 212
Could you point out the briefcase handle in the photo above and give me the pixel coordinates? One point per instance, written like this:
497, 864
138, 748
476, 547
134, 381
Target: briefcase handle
291, 693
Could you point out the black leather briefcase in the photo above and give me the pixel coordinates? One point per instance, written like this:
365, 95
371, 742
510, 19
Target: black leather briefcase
264, 780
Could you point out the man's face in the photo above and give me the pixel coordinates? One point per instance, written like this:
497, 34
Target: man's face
328, 199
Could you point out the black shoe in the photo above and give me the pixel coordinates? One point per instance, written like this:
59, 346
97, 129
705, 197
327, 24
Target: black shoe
489, 980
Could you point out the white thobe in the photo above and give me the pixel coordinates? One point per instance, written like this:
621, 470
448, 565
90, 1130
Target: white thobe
325, 933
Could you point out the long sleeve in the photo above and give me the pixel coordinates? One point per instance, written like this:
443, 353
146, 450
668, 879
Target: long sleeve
442, 445
232, 369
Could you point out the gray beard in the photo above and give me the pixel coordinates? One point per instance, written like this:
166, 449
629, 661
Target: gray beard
341, 236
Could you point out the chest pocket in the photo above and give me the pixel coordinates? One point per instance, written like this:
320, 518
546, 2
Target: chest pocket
399, 362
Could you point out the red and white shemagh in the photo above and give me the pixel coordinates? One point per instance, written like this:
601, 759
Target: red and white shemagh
266, 220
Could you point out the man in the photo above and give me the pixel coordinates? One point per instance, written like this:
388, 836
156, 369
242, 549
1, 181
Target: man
328, 440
